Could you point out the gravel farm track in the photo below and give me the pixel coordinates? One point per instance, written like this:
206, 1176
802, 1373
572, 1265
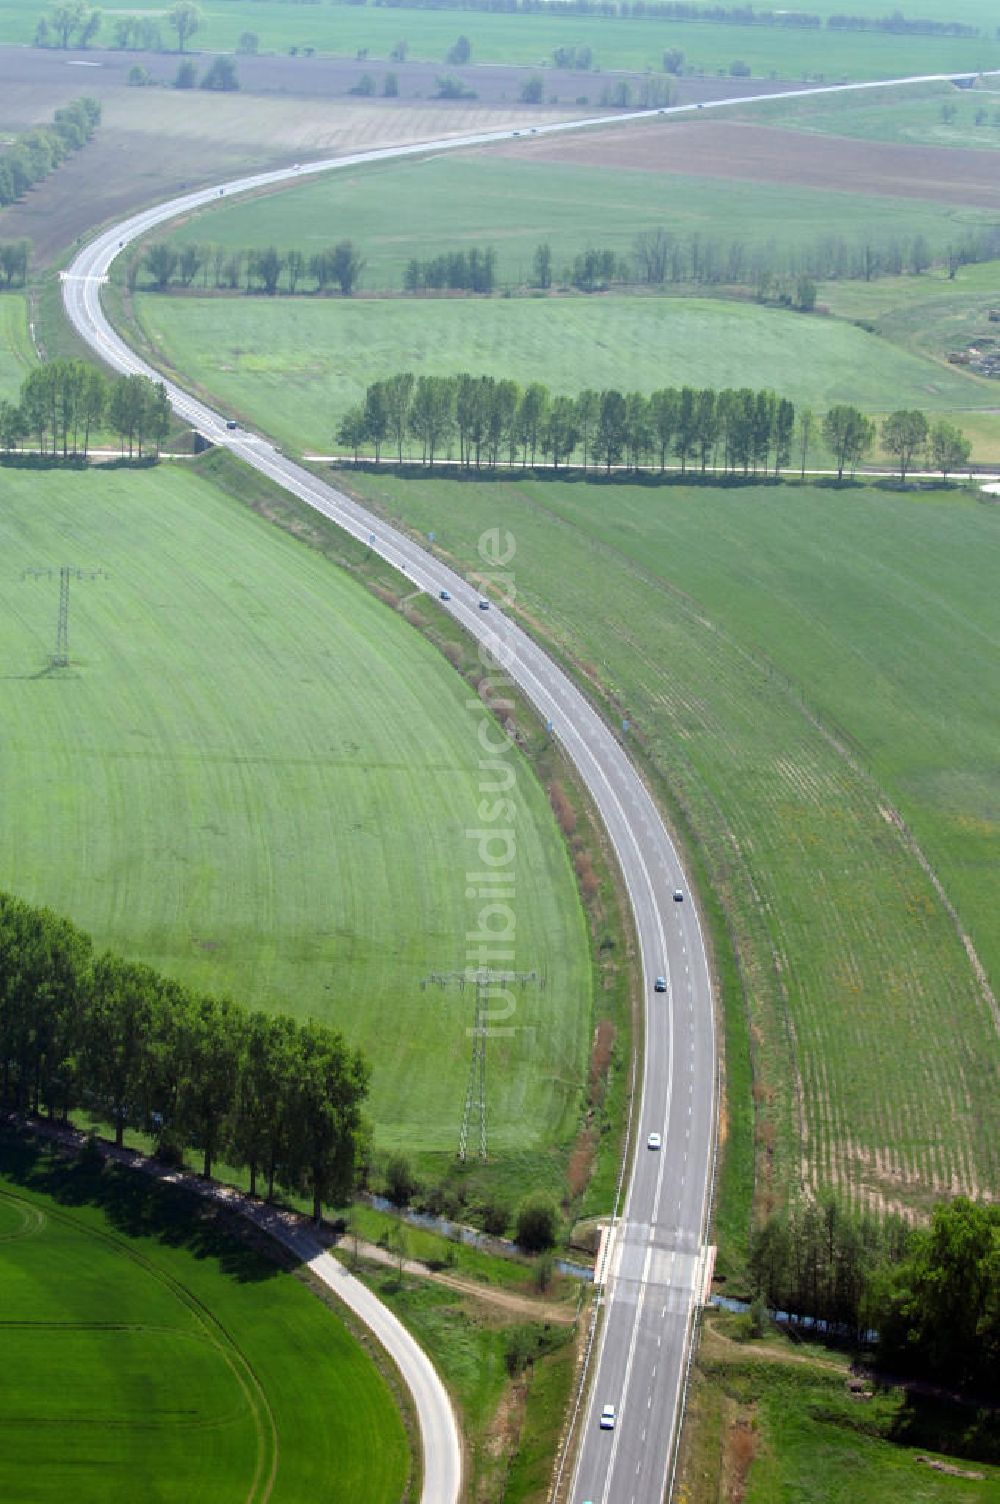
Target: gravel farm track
657, 1269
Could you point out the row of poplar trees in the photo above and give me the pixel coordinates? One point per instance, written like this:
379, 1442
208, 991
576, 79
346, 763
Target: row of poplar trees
496, 422
63, 403
80, 1030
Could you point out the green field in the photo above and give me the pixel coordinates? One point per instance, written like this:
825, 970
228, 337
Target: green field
422, 209
298, 365
634, 43
295, 365
15, 345
257, 778
903, 117
778, 1420
933, 316
803, 666
149, 1355
930, 315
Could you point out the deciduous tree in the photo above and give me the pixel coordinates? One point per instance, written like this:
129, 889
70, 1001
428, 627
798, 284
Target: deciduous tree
161, 261
346, 266
221, 75
432, 414
806, 429
542, 265
116, 1037
537, 1220
849, 435
329, 1085
184, 19
941, 1311
561, 432
950, 449
904, 434
609, 438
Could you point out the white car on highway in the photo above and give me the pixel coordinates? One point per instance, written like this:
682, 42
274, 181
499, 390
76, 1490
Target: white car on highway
608, 1418
654, 1141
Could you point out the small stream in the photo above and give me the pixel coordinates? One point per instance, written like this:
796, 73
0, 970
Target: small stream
802, 1323
458, 1232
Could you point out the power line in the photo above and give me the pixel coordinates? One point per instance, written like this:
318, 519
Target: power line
475, 1091
60, 658
474, 1109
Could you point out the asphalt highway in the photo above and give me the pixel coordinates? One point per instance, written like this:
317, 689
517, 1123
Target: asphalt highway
655, 1267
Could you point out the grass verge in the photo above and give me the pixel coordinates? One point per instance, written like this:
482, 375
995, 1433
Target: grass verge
511, 1416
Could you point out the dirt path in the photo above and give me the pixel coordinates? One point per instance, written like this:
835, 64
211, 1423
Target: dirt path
712, 1337
504, 1300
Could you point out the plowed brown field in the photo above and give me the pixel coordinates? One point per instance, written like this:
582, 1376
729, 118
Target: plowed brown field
767, 154
155, 142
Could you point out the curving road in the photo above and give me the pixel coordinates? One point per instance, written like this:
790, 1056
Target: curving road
655, 1260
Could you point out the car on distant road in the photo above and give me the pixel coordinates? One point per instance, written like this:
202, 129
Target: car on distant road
608, 1418
484, 605
678, 895
654, 1141
660, 985
230, 422
446, 595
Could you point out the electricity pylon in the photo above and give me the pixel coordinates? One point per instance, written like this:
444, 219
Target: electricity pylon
60, 658
475, 1091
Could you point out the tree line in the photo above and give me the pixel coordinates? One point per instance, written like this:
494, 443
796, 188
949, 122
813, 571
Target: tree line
64, 402
659, 258
906, 434
495, 422
900, 25
688, 10
220, 75
35, 153
473, 270
15, 256
783, 274
80, 1030
74, 23
931, 1294
257, 270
